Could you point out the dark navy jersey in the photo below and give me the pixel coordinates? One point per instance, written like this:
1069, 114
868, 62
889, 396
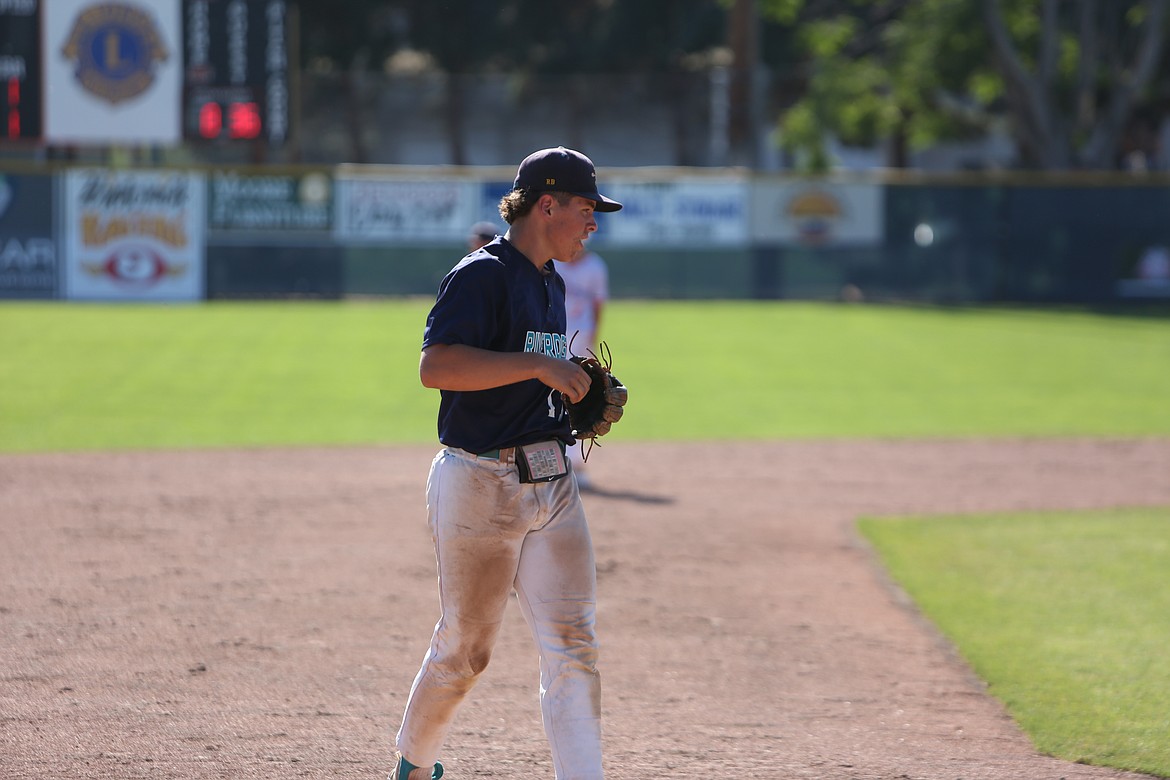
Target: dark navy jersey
496, 299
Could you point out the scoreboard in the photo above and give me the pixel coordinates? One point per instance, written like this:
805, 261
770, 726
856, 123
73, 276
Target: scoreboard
235, 59
20, 70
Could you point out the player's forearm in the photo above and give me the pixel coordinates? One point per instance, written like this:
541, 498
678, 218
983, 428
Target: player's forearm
460, 367
463, 368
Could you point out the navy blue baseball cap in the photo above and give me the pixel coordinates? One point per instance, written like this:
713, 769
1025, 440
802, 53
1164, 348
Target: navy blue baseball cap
562, 170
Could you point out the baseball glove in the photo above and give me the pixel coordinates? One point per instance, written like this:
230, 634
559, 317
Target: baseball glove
601, 407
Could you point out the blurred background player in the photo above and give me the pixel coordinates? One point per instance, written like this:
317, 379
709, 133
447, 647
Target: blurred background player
480, 234
1153, 267
586, 292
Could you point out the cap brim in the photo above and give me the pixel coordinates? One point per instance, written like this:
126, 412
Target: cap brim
600, 202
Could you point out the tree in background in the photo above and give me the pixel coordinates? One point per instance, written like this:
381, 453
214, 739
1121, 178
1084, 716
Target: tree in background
349, 38
1090, 64
526, 39
1065, 77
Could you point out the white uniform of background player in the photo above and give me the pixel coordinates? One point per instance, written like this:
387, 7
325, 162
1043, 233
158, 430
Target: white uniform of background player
586, 292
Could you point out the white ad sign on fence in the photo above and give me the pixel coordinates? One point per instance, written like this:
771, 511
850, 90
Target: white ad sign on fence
113, 71
818, 213
275, 203
383, 210
134, 235
691, 213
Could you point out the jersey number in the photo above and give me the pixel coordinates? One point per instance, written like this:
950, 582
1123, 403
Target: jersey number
553, 411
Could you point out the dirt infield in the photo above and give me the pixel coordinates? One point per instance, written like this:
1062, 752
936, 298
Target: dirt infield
260, 614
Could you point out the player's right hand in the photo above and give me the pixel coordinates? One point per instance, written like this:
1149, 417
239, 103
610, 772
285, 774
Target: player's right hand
566, 376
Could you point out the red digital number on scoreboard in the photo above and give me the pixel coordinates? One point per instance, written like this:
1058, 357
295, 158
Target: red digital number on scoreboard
13, 123
243, 120
240, 120
210, 120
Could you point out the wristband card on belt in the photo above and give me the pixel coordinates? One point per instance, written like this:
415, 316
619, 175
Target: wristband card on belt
543, 461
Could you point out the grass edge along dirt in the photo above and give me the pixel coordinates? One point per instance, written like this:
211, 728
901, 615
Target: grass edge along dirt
1064, 615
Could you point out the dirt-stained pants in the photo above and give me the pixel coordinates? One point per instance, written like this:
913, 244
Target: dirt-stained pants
493, 534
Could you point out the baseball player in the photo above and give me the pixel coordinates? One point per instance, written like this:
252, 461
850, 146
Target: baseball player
480, 233
586, 291
501, 513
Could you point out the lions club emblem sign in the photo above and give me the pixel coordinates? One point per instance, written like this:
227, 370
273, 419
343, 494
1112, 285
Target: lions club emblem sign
115, 49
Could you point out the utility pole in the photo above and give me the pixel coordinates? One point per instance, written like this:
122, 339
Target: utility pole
744, 41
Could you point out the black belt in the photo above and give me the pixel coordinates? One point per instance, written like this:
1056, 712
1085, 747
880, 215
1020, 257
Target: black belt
505, 452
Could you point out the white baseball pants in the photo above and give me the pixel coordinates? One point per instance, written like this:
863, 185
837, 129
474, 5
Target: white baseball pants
493, 534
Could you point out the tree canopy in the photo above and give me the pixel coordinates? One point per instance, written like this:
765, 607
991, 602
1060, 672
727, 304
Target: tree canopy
529, 36
1070, 80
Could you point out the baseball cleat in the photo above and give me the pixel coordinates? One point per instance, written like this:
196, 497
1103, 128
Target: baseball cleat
407, 771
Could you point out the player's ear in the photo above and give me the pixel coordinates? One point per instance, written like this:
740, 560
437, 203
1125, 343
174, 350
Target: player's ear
546, 203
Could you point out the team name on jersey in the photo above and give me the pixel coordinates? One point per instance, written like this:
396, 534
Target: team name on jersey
552, 344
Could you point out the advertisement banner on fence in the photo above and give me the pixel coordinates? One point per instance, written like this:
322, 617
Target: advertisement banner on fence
28, 254
689, 213
113, 71
817, 213
246, 202
134, 235
488, 210
382, 210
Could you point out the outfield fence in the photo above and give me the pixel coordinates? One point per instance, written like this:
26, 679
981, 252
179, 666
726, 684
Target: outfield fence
99, 233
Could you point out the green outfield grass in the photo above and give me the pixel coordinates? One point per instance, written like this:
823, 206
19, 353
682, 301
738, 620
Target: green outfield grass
229, 374
108, 376
1065, 615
